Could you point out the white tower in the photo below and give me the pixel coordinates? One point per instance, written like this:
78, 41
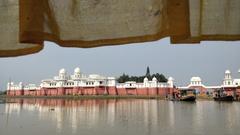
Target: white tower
145, 82
196, 81
227, 78
154, 82
62, 74
77, 72
171, 82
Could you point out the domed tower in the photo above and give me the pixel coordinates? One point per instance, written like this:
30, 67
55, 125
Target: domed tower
77, 72
154, 82
170, 81
145, 82
227, 78
62, 74
196, 81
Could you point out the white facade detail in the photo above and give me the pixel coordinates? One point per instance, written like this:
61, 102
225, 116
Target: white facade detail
228, 81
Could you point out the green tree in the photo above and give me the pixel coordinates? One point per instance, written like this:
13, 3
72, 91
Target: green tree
124, 77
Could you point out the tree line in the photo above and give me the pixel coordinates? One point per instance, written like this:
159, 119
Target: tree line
124, 77
3, 92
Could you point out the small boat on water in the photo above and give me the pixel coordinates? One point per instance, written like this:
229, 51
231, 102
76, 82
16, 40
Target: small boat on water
187, 95
221, 96
224, 98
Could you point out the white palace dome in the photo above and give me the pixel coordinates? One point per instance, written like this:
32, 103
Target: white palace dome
227, 72
170, 79
154, 79
196, 79
62, 71
145, 79
77, 70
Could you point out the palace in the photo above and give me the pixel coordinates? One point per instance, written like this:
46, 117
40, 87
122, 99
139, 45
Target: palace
229, 85
94, 84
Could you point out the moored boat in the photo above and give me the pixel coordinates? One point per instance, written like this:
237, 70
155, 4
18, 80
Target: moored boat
224, 98
188, 98
221, 95
187, 95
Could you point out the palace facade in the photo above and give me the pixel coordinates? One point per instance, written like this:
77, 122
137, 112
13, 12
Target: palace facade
93, 84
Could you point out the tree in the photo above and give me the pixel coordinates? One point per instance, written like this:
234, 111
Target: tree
124, 78
3, 92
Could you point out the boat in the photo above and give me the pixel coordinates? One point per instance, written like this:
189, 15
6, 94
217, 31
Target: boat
221, 96
187, 95
224, 98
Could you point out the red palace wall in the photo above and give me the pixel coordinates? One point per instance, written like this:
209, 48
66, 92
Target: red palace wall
68, 91
238, 94
61, 91
153, 91
19, 92
142, 91
131, 91
121, 91
88, 91
101, 90
112, 91
163, 92
75, 91
92, 91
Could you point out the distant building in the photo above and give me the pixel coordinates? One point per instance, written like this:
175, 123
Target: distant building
94, 84
229, 85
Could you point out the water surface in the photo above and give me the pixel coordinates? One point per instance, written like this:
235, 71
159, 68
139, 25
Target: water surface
118, 117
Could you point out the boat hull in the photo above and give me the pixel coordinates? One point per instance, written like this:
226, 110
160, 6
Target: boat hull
226, 98
188, 98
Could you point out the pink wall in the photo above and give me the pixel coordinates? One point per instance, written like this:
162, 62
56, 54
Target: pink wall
131, 91
112, 91
121, 91
142, 91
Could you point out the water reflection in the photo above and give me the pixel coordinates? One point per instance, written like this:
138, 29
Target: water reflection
118, 116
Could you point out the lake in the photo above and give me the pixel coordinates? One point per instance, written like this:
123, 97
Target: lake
118, 117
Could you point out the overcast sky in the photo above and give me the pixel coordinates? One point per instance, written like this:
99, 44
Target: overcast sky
207, 60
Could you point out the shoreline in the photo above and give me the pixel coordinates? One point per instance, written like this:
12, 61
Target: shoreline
199, 98
88, 97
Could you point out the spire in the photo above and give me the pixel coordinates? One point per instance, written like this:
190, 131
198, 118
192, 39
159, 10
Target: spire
148, 74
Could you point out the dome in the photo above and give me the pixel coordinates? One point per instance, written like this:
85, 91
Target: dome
227, 72
145, 79
196, 79
154, 79
170, 79
77, 70
62, 71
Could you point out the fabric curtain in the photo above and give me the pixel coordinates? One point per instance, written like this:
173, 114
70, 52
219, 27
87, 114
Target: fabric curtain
9, 31
26, 24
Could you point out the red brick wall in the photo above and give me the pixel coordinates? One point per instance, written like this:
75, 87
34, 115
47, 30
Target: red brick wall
153, 91
142, 91
75, 90
88, 91
131, 91
112, 91
163, 91
121, 91
101, 90
68, 91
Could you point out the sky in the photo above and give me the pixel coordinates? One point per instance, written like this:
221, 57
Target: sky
208, 60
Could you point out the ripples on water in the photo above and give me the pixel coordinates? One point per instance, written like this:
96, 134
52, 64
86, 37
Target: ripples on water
118, 117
